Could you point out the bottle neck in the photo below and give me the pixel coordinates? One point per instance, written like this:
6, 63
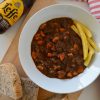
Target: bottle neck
28, 3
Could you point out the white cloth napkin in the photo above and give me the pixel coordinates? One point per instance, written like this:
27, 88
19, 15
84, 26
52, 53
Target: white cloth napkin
94, 7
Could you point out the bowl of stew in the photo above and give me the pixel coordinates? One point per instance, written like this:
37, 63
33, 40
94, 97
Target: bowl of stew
53, 55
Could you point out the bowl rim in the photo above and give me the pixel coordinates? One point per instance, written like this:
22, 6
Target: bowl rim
33, 35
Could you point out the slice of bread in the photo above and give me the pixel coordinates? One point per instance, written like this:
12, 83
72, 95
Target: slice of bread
30, 89
10, 83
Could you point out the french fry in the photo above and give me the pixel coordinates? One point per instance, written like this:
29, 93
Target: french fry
93, 44
75, 29
89, 45
86, 31
90, 55
84, 39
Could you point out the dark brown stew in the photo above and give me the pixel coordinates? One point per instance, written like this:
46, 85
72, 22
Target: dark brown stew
57, 50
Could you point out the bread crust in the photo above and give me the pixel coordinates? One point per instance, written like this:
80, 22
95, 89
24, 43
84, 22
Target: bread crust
10, 83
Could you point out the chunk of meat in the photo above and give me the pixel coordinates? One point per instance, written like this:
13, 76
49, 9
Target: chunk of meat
69, 74
43, 26
53, 48
55, 39
56, 67
34, 55
40, 67
50, 55
40, 42
75, 73
70, 54
61, 74
37, 37
62, 29
75, 46
80, 69
61, 56
49, 45
42, 33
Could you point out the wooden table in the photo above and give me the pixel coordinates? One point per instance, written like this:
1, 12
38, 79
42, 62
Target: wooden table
12, 53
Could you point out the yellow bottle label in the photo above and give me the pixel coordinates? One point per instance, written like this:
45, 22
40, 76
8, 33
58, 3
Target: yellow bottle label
10, 11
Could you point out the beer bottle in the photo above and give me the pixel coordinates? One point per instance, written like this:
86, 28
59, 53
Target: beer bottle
11, 11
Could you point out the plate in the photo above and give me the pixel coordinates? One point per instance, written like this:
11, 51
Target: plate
52, 84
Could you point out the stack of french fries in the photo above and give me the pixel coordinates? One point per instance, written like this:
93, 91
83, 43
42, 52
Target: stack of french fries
89, 45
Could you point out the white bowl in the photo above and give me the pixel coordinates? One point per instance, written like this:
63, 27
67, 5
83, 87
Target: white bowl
52, 84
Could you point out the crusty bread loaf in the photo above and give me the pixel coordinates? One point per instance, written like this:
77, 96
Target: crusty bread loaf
10, 83
30, 89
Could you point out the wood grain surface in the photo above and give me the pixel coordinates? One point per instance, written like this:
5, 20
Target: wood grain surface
12, 53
